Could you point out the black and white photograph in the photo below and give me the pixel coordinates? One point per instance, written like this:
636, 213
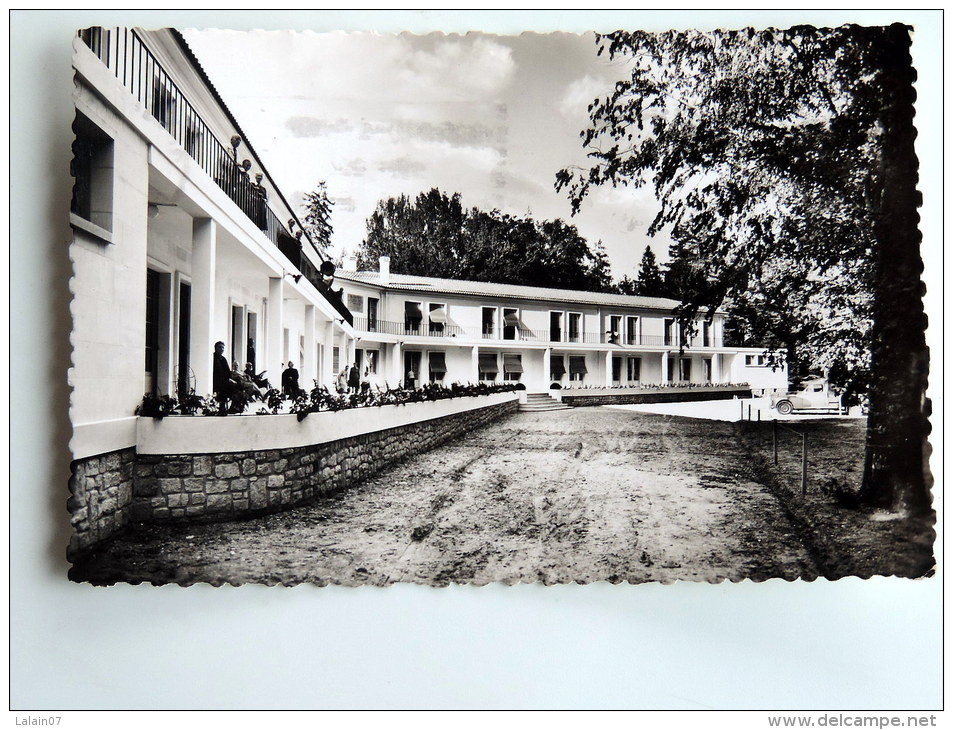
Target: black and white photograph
476, 360
629, 307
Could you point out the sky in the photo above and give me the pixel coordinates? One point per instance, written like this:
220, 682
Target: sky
490, 117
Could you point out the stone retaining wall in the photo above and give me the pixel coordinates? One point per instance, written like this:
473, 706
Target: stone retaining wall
101, 489
204, 487
608, 398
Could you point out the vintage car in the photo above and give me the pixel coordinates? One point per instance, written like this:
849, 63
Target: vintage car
815, 395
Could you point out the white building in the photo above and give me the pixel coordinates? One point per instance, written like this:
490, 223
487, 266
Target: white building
414, 329
175, 246
181, 239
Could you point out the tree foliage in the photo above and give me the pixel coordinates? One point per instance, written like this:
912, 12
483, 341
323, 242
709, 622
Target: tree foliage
433, 235
784, 167
317, 215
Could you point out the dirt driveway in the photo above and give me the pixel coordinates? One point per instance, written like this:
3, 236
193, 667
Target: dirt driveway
583, 495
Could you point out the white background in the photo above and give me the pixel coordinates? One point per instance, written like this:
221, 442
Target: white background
851, 644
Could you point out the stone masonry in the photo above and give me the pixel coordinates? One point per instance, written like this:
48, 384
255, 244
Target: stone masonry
101, 489
206, 487
606, 398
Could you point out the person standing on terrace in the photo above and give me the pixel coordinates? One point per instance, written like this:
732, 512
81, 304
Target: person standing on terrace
221, 375
289, 381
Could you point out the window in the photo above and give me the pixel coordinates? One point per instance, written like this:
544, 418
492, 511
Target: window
92, 168
438, 366
184, 381
706, 334
489, 322
512, 366
437, 315
413, 316
633, 330
615, 330
575, 326
370, 361
336, 359
372, 314
355, 302
616, 369
684, 370
411, 368
634, 369
511, 323
577, 368
669, 325
488, 366
755, 361
706, 363
557, 367
556, 326
152, 330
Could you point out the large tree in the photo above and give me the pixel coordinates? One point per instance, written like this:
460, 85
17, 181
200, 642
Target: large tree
433, 235
783, 163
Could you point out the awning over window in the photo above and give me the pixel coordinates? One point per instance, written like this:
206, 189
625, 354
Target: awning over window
438, 362
577, 365
488, 364
512, 363
511, 319
412, 311
438, 314
557, 366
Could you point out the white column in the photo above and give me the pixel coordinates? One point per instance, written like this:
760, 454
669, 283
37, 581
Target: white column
665, 374
327, 364
202, 338
351, 351
276, 305
475, 364
396, 366
309, 368
716, 367
609, 367
547, 371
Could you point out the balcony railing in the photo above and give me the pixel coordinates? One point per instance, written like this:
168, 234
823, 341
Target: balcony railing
414, 328
134, 66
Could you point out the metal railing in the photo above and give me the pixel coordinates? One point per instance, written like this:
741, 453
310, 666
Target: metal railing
419, 328
123, 52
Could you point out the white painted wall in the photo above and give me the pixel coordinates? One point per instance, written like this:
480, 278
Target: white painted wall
199, 435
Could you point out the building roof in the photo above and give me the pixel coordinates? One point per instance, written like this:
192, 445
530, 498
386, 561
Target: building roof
405, 282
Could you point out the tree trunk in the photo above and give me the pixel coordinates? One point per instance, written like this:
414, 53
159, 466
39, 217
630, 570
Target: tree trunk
895, 466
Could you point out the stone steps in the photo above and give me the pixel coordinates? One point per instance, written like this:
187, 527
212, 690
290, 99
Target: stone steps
541, 402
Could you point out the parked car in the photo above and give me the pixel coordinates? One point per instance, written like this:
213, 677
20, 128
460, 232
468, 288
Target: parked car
815, 395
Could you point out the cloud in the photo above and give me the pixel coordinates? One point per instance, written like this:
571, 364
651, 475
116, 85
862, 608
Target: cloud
345, 203
580, 94
301, 126
355, 167
402, 167
459, 134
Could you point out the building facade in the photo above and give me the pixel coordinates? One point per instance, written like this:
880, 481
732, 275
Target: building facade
415, 329
181, 239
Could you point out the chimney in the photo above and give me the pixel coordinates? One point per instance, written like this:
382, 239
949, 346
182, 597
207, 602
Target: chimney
385, 270
350, 263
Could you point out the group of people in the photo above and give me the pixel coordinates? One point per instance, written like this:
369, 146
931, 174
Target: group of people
350, 381
229, 382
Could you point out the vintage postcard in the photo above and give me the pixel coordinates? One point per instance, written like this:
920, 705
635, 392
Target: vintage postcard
626, 306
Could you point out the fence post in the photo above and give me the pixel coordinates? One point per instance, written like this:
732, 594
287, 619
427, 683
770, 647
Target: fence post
774, 433
742, 403
803, 464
